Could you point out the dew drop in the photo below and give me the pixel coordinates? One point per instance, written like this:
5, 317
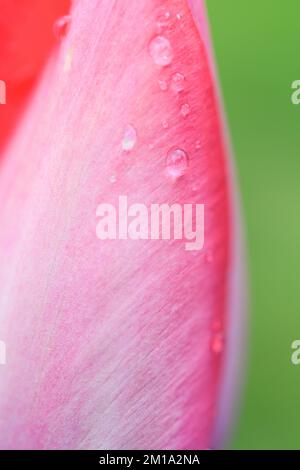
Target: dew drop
198, 144
165, 124
177, 163
163, 18
62, 26
113, 179
177, 82
217, 344
129, 138
185, 109
163, 85
161, 51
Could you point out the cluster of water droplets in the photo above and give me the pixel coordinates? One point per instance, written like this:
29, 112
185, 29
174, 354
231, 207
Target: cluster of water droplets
161, 51
167, 21
177, 159
162, 54
164, 21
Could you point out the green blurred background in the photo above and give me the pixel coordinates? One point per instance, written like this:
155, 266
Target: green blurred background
258, 56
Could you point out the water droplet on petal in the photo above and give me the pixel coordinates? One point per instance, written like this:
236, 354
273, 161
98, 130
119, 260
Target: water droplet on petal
163, 18
209, 257
113, 179
198, 144
165, 124
161, 51
129, 138
163, 85
62, 26
185, 109
177, 82
217, 344
177, 163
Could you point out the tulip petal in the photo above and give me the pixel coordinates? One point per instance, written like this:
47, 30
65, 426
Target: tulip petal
113, 344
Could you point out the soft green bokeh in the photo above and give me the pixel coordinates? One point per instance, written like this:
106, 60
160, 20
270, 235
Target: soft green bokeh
258, 55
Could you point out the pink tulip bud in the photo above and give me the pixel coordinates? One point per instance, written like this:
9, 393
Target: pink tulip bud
113, 343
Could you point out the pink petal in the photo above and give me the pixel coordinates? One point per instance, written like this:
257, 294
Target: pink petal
112, 344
